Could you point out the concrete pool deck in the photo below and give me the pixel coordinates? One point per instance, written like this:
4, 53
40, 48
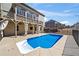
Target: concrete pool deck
8, 47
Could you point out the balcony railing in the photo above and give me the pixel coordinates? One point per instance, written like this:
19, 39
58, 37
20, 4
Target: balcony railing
40, 22
20, 18
32, 21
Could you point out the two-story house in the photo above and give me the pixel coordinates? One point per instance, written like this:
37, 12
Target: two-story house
23, 20
53, 26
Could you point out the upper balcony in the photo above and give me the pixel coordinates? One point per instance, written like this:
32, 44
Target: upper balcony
32, 18
22, 15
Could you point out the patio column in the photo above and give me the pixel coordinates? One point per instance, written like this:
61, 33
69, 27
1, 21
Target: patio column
26, 28
15, 17
15, 29
42, 29
37, 30
33, 28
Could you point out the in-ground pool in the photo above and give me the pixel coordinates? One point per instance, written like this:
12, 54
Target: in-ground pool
44, 41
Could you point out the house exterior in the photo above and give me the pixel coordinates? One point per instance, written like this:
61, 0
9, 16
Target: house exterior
53, 26
23, 20
75, 26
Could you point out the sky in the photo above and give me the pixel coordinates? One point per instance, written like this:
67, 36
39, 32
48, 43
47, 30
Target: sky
65, 13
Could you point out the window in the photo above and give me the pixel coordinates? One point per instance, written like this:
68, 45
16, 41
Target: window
29, 15
31, 28
34, 16
20, 11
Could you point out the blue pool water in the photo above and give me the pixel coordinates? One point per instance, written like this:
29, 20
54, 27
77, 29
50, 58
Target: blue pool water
44, 41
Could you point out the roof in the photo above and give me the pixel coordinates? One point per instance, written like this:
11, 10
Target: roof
32, 9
